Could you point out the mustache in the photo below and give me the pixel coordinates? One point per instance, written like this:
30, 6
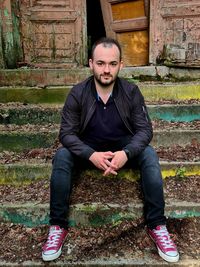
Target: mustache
106, 75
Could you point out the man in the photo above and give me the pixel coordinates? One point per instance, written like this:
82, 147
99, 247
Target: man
105, 124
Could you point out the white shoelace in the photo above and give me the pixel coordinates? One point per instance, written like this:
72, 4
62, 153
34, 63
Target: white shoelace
164, 238
53, 238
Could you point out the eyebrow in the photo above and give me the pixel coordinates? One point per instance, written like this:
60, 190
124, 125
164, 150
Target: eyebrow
114, 61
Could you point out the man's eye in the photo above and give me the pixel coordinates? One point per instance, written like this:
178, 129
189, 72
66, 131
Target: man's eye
114, 63
99, 63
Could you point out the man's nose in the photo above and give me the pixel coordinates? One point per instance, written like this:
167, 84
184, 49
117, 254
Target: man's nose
106, 68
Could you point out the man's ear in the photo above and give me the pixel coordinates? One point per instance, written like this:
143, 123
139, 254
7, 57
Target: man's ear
90, 63
121, 64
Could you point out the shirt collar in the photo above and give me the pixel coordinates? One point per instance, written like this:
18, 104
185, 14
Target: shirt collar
98, 97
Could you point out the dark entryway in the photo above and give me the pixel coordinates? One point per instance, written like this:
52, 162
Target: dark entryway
95, 25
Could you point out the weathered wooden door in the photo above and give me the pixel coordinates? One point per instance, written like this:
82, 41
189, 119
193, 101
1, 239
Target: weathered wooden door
54, 32
127, 21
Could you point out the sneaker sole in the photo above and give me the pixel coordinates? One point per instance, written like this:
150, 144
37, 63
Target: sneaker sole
166, 257
53, 256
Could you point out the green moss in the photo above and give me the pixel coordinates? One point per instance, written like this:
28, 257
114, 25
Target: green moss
15, 141
17, 174
171, 92
29, 95
30, 115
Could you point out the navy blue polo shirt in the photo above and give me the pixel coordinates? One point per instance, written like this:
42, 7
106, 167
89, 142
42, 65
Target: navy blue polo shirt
106, 130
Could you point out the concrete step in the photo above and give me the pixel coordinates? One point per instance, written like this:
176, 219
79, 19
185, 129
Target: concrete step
57, 94
92, 214
43, 138
98, 200
26, 172
136, 261
43, 114
125, 244
45, 77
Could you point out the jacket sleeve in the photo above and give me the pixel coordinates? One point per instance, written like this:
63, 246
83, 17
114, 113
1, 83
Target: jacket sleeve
70, 127
141, 125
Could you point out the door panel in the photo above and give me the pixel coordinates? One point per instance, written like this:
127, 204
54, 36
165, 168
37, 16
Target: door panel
135, 45
127, 21
128, 10
53, 32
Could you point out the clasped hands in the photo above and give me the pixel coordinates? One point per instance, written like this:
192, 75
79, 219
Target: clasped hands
109, 162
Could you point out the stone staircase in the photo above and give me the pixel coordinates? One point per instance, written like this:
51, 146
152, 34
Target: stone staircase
29, 123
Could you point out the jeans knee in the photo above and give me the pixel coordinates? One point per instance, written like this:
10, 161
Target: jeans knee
62, 154
149, 155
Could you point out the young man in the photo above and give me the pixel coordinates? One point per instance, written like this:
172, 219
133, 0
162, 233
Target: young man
105, 124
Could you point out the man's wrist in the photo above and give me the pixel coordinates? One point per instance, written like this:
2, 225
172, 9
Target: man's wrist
127, 152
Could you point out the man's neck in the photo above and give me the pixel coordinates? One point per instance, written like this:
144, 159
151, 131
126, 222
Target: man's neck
104, 92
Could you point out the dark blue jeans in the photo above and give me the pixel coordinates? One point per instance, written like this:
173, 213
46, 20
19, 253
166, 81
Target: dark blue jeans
147, 162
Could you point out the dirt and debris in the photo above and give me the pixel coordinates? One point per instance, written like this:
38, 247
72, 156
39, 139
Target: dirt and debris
174, 125
192, 101
126, 240
189, 153
105, 190
26, 128
157, 124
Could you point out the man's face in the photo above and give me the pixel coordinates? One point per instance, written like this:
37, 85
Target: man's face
105, 64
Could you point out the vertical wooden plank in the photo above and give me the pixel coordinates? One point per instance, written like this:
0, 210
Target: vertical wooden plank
10, 37
155, 31
146, 8
2, 63
7, 34
107, 17
81, 32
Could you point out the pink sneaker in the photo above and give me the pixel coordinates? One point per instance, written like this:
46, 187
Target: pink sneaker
53, 247
166, 247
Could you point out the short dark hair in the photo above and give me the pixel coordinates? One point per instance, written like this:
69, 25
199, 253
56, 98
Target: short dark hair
106, 41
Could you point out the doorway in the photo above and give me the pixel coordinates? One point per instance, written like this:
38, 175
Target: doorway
95, 24
128, 22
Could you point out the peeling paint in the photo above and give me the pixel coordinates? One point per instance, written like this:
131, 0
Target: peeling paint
180, 214
11, 45
93, 214
6, 13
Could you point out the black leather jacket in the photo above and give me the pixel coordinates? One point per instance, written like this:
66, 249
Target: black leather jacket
80, 106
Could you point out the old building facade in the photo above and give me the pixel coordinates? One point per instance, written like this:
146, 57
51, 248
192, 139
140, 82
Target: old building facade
59, 33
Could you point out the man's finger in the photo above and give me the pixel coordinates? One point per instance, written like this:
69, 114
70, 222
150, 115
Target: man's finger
109, 171
110, 164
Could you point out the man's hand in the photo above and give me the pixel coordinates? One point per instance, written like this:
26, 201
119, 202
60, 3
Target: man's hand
118, 161
103, 160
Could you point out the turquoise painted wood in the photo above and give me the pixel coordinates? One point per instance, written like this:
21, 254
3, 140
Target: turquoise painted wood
44, 114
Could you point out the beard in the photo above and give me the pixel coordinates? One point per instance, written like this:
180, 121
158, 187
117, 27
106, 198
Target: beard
105, 83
